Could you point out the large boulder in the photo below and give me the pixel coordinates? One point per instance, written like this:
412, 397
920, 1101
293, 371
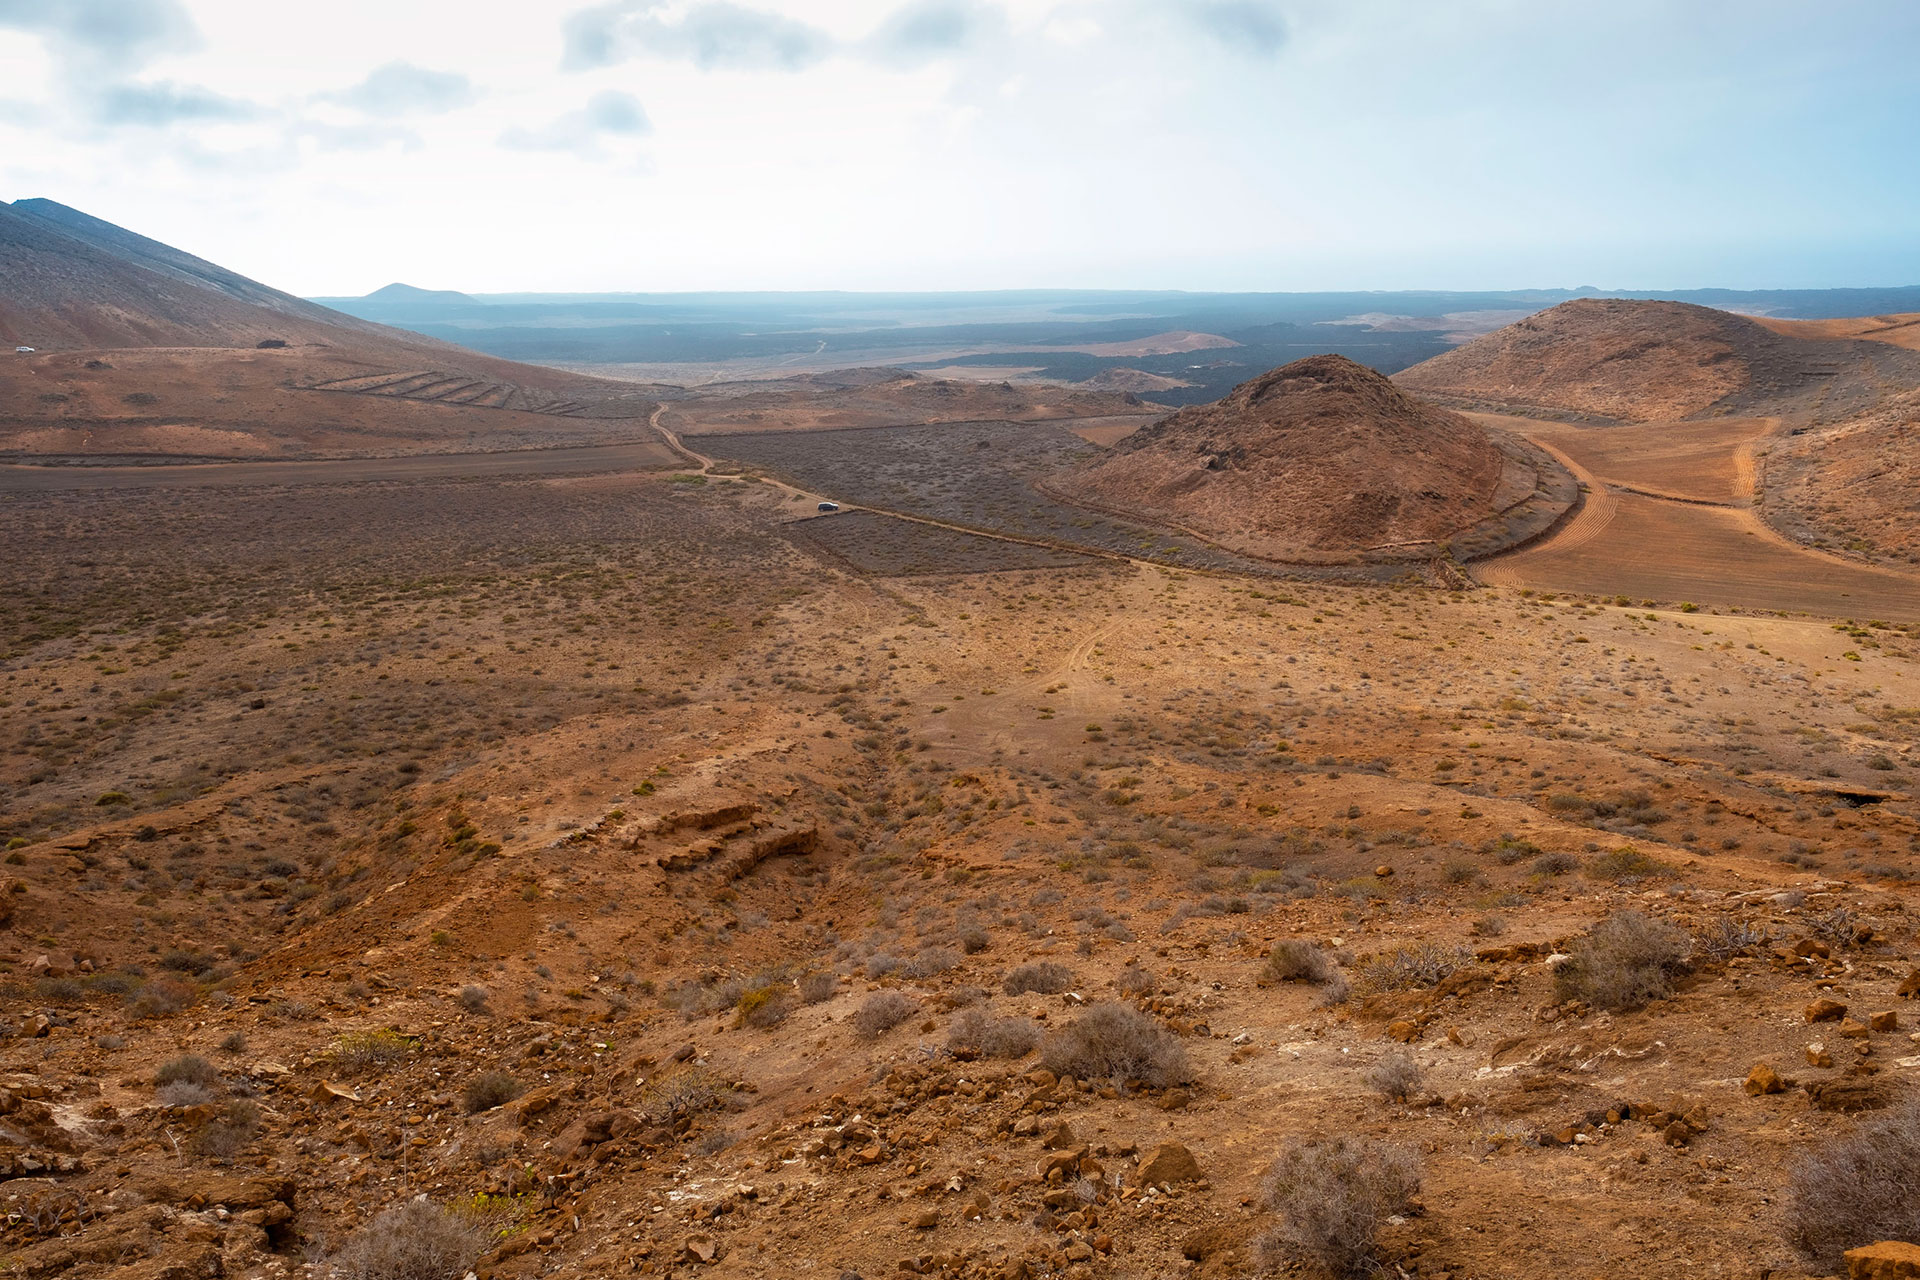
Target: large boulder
1166, 1165
1887, 1260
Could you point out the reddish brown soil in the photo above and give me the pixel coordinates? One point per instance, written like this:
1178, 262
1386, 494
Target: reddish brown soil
1612, 360
145, 351
215, 403
1710, 461
613, 794
641, 694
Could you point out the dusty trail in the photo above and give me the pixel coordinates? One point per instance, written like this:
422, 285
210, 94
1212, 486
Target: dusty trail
1072, 687
706, 464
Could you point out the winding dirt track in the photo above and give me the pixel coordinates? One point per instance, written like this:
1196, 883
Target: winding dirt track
1072, 687
706, 467
1675, 543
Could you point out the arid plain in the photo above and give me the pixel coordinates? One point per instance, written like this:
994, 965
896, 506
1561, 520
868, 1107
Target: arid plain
662, 876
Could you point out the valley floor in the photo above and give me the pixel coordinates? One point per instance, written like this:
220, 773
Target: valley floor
624, 869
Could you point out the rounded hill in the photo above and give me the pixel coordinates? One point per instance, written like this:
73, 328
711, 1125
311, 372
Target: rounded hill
1632, 360
1319, 461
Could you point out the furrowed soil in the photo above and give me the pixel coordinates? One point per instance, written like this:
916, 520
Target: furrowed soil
1667, 515
1693, 461
869, 542
979, 475
1669, 551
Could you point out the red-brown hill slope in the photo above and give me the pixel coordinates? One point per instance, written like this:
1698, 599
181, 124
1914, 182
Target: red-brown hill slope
1608, 357
1320, 456
1854, 487
74, 282
1640, 361
143, 350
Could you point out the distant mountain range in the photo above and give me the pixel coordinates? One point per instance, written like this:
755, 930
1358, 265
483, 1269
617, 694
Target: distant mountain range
1064, 335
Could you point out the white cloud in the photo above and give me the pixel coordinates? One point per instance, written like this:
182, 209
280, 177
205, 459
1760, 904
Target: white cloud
925, 143
1254, 27
161, 103
927, 30
114, 35
403, 89
710, 34
607, 115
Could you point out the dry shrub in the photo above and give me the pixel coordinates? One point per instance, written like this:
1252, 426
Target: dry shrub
1509, 851
1623, 962
488, 1090
1857, 1190
417, 1240
1839, 926
227, 1134
188, 1068
816, 987
979, 1033
1042, 976
369, 1050
1331, 1199
710, 994
765, 1007
881, 1012
1135, 981
182, 1093
1626, 865
1412, 967
473, 998
50, 1211
1297, 960
1724, 937
930, 961
678, 1096
1115, 1042
1395, 1077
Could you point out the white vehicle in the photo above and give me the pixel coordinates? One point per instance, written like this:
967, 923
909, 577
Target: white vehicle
23, 351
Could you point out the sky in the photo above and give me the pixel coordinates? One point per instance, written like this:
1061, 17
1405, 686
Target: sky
655, 145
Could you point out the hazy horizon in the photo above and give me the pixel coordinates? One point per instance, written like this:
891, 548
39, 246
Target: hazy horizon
655, 146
